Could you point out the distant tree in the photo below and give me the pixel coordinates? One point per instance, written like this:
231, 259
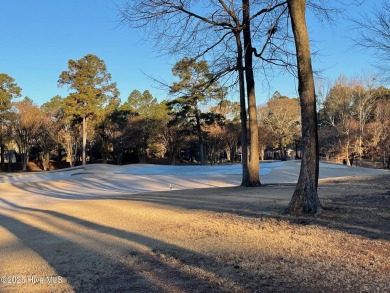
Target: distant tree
92, 89
193, 89
53, 108
228, 109
328, 140
359, 117
105, 129
364, 103
141, 103
134, 103
215, 143
349, 108
66, 130
45, 139
378, 128
231, 130
145, 125
174, 138
8, 91
266, 137
26, 125
120, 119
281, 116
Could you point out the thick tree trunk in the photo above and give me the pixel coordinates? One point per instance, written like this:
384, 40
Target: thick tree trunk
305, 198
243, 118
253, 163
84, 140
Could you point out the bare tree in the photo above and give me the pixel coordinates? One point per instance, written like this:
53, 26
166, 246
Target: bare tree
283, 119
328, 141
378, 129
374, 35
214, 30
173, 137
26, 126
348, 108
338, 109
65, 131
44, 140
231, 128
364, 103
215, 144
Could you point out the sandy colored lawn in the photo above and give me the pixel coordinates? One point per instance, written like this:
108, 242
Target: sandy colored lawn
200, 240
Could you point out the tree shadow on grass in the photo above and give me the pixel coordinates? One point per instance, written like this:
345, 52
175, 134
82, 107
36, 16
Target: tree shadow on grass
93, 262
82, 268
354, 206
357, 206
98, 186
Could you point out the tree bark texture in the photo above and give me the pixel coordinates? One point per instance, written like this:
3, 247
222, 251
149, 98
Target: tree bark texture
305, 198
244, 129
253, 162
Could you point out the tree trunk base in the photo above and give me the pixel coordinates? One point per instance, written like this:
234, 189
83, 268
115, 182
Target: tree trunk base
304, 202
250, 184
247, 181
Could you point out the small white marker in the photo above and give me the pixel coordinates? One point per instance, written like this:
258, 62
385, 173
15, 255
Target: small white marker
170, 186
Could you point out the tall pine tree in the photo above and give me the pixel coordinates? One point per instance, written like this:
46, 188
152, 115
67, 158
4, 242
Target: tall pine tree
194, 88
92, 88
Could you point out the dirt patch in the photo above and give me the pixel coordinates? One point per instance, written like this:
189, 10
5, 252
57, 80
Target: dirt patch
204, 240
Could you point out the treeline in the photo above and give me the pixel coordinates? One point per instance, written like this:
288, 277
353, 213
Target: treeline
130, 132
198, 124
355, 121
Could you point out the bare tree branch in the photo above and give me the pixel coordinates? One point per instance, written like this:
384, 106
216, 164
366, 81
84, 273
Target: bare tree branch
374, 35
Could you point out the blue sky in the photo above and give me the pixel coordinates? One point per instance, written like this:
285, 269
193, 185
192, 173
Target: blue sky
37, 38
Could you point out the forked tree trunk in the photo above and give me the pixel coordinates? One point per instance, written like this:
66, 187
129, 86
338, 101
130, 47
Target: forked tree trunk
305, 198
253, 162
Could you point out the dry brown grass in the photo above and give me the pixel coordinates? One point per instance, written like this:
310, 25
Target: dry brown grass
208, 240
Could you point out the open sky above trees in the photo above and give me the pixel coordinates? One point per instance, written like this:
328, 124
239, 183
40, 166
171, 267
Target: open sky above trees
39, 37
